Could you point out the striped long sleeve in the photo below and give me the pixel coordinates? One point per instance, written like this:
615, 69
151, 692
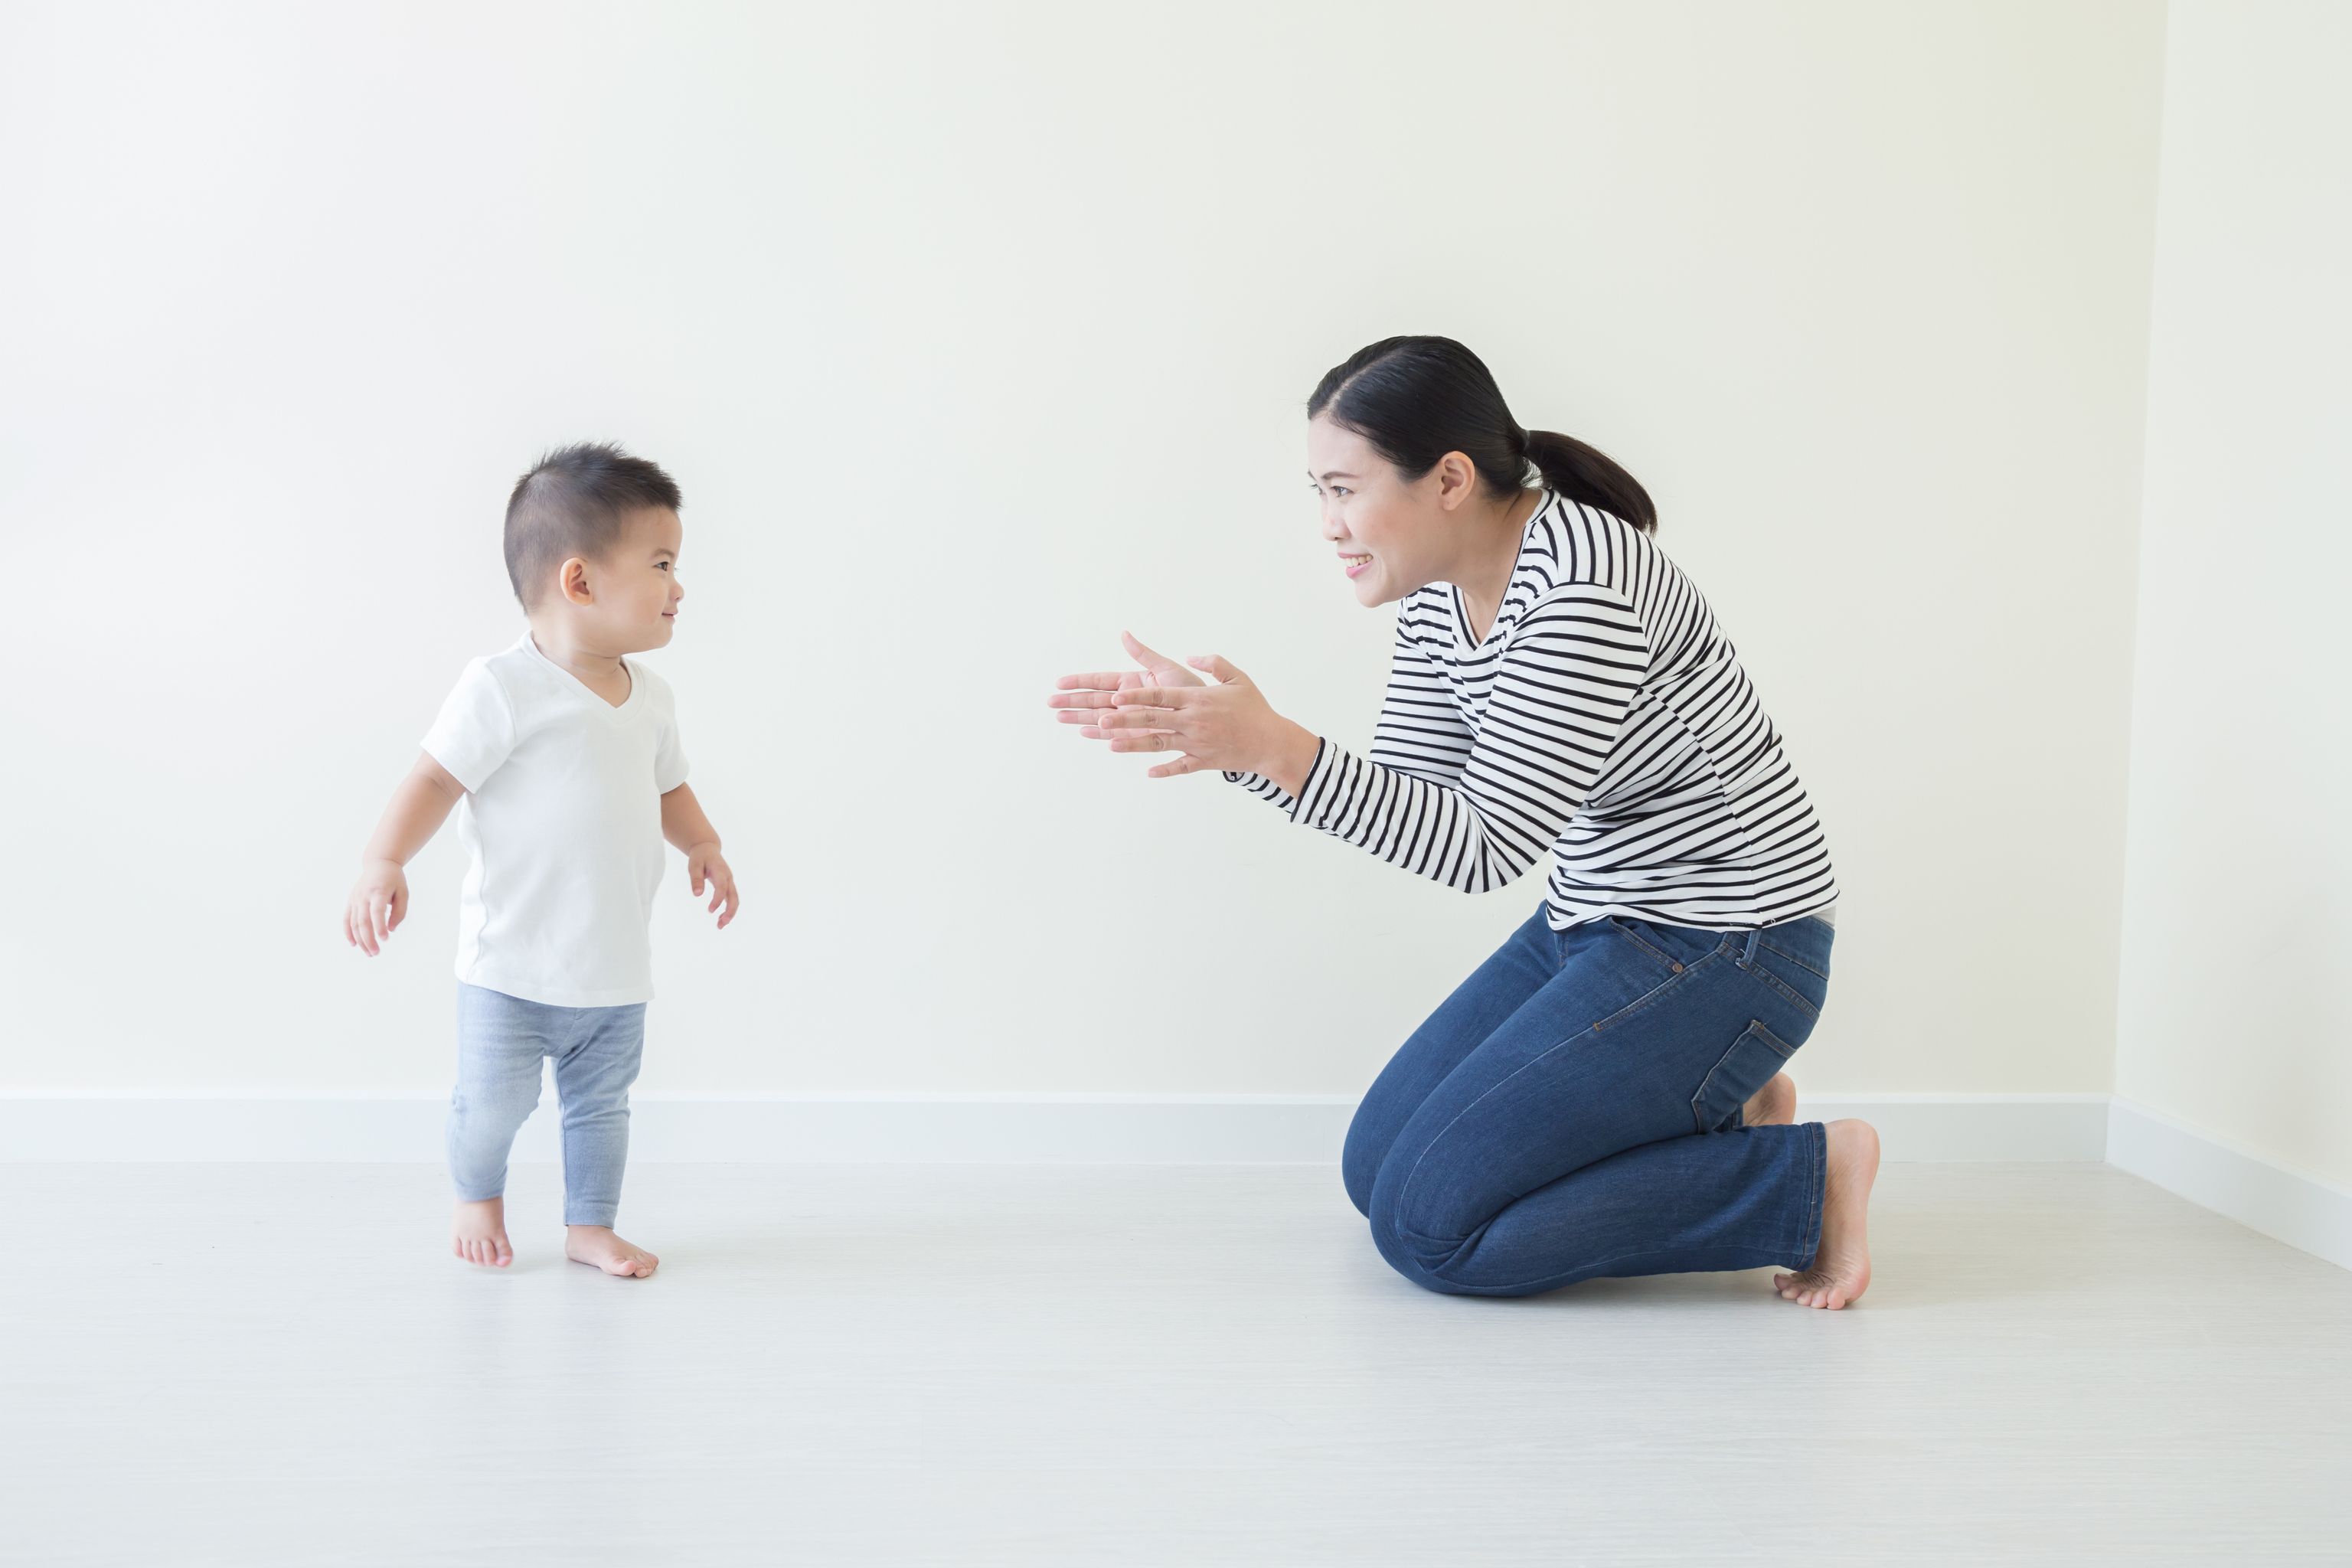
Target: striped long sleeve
1604, 719
1474, 809
1420, 731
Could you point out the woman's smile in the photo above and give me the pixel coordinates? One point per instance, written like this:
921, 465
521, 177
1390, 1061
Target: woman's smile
1355, 563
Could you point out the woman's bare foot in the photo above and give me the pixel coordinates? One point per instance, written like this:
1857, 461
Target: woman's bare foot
1774, 1105
596, 1244
478, 1233
1841, 1270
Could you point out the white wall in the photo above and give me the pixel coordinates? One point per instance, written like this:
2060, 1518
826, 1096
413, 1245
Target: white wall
976, 333
2237, 921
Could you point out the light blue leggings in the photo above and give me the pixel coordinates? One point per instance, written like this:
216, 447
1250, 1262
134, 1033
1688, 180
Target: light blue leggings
501, 1039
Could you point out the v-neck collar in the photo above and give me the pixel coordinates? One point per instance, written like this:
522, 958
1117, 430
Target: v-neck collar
1461, 636
615, 709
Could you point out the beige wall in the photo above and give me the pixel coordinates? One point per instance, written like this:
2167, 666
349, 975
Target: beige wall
976, 334
2237, 919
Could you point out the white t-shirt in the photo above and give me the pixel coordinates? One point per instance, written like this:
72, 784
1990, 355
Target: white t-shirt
561, 824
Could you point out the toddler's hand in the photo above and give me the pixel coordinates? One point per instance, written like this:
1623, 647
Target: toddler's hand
707, 864
379, 902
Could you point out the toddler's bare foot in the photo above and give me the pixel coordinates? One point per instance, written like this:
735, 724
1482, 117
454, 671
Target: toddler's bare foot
1841, 1270
596, 1244
1774, 1105
478, 1233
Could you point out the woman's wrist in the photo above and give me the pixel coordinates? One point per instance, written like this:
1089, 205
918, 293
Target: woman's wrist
1293, 758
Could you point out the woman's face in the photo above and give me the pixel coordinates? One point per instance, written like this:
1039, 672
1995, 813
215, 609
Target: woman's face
1388, 531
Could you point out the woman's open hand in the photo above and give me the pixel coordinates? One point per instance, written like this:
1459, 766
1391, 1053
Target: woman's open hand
1165, 707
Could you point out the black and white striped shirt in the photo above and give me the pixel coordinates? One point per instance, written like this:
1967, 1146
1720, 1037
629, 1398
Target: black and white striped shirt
1604, 717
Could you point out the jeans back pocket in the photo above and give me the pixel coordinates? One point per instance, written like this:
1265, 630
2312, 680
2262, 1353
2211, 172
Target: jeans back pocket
1746, 1067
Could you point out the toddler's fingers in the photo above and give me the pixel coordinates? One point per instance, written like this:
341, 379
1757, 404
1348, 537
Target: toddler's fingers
378, 908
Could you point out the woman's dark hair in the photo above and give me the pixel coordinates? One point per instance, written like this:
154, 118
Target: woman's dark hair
1416, 399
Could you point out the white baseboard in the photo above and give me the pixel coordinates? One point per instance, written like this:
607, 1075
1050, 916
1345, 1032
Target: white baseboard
797, 1129
1970, 1127
917, 1128
2295, 1206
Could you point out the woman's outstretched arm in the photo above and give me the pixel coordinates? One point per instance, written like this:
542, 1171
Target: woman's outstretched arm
1420, 731
1567, 678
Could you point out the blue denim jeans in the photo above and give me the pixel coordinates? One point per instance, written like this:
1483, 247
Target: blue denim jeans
501, 1040
1574, 1111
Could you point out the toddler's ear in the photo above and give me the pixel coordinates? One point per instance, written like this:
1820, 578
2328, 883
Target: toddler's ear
571, 582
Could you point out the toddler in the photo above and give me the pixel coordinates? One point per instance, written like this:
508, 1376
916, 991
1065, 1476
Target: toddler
562, 757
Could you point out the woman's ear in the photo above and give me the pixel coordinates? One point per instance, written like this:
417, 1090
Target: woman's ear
1457, 479
572, 577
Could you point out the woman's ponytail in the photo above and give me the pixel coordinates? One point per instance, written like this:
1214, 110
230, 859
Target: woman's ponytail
1416, 399
1586, 474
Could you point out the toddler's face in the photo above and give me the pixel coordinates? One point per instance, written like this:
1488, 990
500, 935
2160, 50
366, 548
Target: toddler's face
636, 586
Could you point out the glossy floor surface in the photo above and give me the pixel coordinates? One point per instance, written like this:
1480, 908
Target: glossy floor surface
266, 1365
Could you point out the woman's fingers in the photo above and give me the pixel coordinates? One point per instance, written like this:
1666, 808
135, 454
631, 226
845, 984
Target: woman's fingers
1142, 655
1100, 680
1105, 697
1178, 768
1126, 719
1160, 696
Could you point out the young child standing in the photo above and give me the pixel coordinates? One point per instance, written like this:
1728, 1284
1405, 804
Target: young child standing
562, 757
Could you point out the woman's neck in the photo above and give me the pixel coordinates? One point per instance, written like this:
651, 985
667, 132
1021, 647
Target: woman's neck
1489, 554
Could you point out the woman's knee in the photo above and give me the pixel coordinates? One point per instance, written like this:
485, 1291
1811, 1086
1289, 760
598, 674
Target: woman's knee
1411, 1255
1360, 1159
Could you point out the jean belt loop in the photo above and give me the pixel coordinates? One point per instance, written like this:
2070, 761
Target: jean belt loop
1748, 958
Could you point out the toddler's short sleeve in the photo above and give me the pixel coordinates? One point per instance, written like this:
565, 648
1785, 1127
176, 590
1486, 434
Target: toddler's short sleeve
476, 729
670, 758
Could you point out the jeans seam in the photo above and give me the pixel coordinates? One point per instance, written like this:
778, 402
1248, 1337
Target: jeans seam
1404, 1188
1816, 1193
1652, 994
1784, 952
1672, 963
1786, 990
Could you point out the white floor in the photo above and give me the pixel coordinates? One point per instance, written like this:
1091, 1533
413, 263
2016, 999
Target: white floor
248, 1365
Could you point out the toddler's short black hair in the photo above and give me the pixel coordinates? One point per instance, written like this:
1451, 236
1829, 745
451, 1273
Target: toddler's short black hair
572, 502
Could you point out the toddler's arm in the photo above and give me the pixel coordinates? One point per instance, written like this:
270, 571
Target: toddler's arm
379, 899
684, 826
